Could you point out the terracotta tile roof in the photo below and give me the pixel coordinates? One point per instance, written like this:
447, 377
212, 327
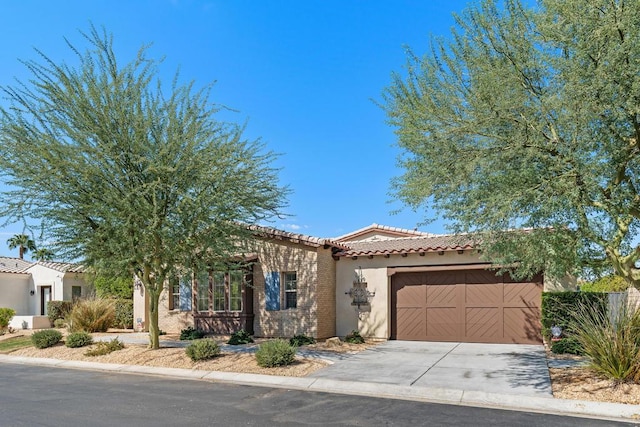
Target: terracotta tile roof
434, 243
272, 233
63, 267
13, 265
398, 232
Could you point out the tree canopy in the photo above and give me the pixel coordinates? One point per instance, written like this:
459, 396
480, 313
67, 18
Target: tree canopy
23, 242
127, 174
528, 119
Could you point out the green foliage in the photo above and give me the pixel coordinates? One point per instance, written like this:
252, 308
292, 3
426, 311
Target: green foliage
560, 308
610, 283
611, 341
58, 310
43, 254
190, 333
275, 353
240, 337
78, 339
92, 315
570, 345
354, 337
105, 347
46, 338
60, 323
113, 286
300, 340
127, 173
203, 349
123, 313
23, 242
527, 117
6, 314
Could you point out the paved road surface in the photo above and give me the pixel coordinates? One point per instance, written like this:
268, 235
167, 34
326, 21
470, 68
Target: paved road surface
41, 396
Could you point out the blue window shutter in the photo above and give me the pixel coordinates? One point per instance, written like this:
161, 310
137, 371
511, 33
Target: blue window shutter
272, 290
185, 293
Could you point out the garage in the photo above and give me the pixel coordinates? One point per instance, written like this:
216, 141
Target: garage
465, 305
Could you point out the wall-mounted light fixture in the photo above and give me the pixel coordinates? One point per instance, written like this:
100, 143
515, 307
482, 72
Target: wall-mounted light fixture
32, 292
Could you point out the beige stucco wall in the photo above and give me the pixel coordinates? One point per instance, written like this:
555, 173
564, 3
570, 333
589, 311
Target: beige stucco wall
14, 292
326, 294
282, 256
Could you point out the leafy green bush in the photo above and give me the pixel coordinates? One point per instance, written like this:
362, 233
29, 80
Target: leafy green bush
60, 323
190, 333
569, 345
610, 283
78, 339
58, 310
611, 341
123, 313
6, 314
275, 353
299, 340
240, 337
92, 315
46, 338
114, 287
559, 308
203, 349
105, 347
354, 338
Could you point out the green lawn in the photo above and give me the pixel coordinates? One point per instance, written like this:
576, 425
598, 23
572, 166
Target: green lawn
11, 344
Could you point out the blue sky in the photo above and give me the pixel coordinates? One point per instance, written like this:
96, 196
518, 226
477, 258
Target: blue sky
304, 75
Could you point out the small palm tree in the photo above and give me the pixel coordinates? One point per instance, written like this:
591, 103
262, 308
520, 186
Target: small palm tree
43, 254
23, 242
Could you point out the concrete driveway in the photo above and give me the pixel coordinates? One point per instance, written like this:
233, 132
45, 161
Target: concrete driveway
495, 368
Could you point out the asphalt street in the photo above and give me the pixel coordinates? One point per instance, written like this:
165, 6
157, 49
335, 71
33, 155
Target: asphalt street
42, 396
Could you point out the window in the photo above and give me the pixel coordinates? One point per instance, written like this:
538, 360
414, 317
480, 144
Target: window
203, 291
235, 290
76, 292
218, 291
174, 297
290, 290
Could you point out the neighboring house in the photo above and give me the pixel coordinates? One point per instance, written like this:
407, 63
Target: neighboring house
384, 282
27, 288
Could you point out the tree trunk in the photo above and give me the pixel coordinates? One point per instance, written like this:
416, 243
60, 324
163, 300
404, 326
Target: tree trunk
154, 330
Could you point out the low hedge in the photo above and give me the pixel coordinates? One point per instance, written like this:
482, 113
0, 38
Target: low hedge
46, 338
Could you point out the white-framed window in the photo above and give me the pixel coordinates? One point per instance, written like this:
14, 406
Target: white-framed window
290, 279
218, 291
235, 290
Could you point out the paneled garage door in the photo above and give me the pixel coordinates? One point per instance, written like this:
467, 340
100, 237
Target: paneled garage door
467, 306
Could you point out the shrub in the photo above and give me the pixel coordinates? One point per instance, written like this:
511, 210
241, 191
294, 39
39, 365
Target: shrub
569, 345
190, 333
92, 315
611, 341
105, 347
6, 314
299, 340
203, 349
60, 323
354, 338
123, 313
78, 339
559, 308
240, 337
275, 353
46, 338
610, 283
58, 310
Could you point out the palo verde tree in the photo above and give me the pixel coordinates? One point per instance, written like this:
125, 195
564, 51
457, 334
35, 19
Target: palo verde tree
529, 118
127, 174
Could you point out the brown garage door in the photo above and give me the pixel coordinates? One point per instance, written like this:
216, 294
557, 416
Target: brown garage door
467, 305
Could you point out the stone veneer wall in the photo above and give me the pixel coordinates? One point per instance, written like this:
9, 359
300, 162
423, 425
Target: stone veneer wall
282, 256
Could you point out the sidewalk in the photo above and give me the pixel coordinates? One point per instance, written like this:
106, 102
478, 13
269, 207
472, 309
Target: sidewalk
548, 405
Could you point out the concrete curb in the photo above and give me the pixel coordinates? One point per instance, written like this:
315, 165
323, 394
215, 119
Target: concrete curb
548, 405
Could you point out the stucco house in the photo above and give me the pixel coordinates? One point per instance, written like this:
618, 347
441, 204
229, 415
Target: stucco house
27, 287
385, 282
